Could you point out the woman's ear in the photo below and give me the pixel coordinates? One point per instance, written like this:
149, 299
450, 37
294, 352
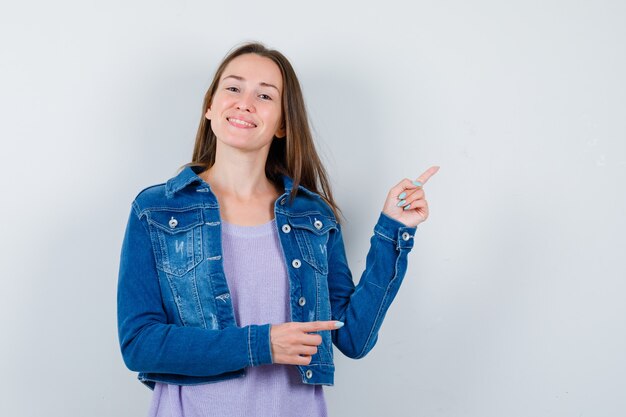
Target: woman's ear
280, 133
208, 113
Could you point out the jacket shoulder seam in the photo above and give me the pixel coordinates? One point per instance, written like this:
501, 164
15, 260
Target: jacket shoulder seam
137, 201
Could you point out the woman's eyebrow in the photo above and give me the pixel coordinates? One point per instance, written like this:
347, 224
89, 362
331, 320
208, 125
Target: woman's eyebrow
264, 84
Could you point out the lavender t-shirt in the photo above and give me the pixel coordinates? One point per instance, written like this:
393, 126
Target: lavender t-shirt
255, 270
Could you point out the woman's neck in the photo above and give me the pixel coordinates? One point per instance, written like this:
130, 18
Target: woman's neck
238, 174
245, 197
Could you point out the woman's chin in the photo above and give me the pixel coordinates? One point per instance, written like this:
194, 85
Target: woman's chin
242, 144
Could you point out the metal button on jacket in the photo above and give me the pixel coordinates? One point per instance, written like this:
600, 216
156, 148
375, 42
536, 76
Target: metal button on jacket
296, 263
406, 236
317, 224
309, 373
173, 222
286, 228
302, 301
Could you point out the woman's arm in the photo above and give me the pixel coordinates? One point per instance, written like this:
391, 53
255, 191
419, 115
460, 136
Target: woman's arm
149, 344
363, 307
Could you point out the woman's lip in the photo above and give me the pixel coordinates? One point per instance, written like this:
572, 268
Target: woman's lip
239, 125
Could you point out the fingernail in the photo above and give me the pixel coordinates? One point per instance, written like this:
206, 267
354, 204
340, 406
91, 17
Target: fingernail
401, 203
339, 324
407, 207
417, 183
402, 195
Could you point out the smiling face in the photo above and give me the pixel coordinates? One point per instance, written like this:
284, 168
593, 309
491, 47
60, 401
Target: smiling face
246, 109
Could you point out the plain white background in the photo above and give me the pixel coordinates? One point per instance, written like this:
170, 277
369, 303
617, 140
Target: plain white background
513, 301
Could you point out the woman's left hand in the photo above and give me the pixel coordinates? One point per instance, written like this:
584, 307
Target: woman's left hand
406, 202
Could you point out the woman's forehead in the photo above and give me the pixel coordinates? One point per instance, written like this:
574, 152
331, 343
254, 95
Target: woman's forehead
255, 69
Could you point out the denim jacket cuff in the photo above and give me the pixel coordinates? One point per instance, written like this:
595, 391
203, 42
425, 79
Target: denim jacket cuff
395, 231
259, 346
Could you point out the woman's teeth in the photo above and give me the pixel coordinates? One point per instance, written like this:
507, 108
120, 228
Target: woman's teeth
241, 122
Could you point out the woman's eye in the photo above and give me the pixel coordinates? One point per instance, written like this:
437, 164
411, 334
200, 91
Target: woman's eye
231, 88
265, 97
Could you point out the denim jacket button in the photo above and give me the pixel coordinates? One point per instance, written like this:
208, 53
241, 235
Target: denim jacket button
296, 263
282, 201
173, 222
302, 301
406, 236
309, 374
286, 228
318, 224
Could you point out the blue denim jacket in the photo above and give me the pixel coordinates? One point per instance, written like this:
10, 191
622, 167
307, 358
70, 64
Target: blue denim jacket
176, 322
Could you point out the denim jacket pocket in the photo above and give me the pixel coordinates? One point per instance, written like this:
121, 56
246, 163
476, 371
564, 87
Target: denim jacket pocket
311, 233
177, 239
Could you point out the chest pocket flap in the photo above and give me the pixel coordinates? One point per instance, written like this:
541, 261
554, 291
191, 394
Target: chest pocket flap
314, 223
311, 233
177, 239
174, 222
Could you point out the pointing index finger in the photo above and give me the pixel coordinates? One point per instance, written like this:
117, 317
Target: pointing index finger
314, 326
427, 174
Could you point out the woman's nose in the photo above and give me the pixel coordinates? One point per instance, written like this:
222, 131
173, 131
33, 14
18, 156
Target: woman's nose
245, 104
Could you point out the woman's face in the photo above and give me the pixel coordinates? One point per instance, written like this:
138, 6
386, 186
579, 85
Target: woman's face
245, 112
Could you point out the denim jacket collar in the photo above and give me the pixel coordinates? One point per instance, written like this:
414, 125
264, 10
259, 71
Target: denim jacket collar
189, 175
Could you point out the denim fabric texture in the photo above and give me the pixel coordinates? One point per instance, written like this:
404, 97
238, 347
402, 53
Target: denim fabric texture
176, 322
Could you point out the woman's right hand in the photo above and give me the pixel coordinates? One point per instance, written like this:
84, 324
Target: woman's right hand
293, 345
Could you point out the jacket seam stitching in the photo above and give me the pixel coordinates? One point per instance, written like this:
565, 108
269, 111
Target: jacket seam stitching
380, 307
369, 337
178, 209
380, 234
250, 346
269, 340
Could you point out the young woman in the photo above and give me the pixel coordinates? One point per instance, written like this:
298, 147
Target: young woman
233, 282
